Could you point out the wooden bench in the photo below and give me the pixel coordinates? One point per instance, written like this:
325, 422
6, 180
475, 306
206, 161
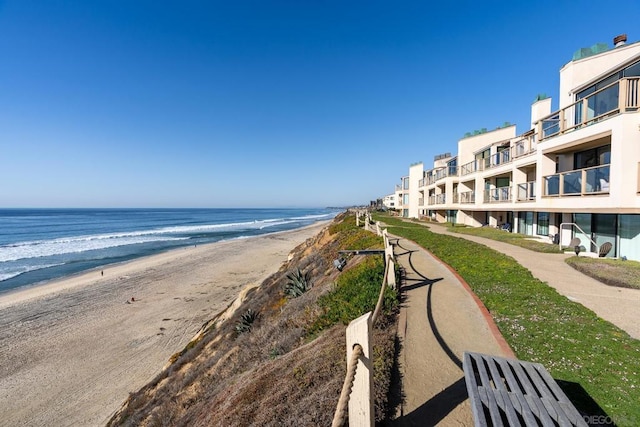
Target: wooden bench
515, 393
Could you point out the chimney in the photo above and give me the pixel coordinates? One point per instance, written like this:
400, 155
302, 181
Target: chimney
619, 40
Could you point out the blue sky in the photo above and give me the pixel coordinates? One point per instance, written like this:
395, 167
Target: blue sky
265, 103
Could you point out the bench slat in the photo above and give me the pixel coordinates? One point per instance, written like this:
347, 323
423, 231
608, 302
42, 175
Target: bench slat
502, 394
472, 387
530, 391
516, 391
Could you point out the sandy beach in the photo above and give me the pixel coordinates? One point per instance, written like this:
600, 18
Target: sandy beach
72, 350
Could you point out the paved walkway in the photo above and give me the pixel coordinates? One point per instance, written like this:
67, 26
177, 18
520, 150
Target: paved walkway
620, 306
439, 320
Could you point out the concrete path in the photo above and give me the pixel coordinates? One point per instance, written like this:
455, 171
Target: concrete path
439, 320
620, 306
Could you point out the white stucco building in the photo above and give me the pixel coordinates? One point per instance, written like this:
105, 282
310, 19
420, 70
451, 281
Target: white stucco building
575, 173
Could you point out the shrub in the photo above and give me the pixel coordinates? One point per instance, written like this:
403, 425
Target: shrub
246, 321
356, 293
298, 283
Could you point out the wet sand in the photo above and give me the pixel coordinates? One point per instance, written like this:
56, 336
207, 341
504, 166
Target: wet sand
72, 350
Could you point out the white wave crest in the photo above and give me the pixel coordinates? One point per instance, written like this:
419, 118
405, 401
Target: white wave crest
45, 248
8, 273
77, 244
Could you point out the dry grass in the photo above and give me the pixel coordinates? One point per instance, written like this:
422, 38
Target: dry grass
613, 272
270, 375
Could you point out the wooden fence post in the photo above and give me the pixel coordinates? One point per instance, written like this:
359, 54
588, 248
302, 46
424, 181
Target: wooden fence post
361, 411
391, 273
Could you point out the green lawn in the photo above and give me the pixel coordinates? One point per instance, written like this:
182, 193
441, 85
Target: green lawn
582, 351
613, 272
503, 236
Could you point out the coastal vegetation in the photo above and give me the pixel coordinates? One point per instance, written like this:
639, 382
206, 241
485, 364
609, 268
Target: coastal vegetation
595, 362
516, 239
613, 272
241, 367
298, 284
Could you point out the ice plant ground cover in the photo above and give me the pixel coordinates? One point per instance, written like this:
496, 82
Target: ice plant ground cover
595, 362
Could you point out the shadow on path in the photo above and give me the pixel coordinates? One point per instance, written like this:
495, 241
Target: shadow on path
437, 408
443, 403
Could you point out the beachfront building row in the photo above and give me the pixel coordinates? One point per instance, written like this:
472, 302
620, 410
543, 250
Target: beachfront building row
574, 173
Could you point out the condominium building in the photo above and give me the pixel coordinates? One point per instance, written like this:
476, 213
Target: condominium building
574, 173
389, 201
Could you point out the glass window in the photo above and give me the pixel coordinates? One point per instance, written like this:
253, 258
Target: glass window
630, 236
593, 157
453, 167
583, 221
502, 182
543, 223
483, 154
632, 70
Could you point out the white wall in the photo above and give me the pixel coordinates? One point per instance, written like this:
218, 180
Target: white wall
577, 73
416, 171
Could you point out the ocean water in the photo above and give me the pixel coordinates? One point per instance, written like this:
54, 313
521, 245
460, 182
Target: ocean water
38, 245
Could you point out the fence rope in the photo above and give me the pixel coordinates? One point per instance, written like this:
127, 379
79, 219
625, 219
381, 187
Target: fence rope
340, 416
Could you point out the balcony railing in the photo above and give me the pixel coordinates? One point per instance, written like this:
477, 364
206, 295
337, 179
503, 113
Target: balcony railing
442, 173
420, 202
467, 197
526, 191
497, 195
618, 97
422, 182
438, 199
587, 181
498, 159
523, 147
468, 168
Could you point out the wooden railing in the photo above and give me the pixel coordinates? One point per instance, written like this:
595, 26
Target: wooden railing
356, 397
467, 197
495, 195
526, 191
437, 199
524, 146
618, 97
592, 180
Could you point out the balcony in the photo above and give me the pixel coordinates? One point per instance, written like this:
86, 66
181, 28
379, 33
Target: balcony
579, 182
497, 195
439, 174
421, 202
467, 197
495, 160
526, 191
468, 168
524, 146
619, 97
438, 199
422, 182
498, 159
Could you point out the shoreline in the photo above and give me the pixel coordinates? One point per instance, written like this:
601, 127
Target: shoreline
71, 350
46, 287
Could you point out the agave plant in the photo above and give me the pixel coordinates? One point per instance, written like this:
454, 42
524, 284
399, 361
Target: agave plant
298, 284
246, 321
